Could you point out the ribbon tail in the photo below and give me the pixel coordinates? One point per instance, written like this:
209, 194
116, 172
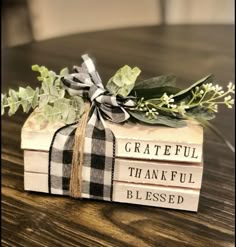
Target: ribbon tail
99, 158
60, 160
88, 64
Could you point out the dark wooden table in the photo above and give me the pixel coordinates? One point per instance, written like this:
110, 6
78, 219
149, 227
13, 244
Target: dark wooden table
189, 52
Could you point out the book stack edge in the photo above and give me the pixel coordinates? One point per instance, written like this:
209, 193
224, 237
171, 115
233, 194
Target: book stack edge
154, 166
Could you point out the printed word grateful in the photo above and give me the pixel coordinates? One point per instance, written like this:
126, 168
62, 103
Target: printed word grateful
152, 149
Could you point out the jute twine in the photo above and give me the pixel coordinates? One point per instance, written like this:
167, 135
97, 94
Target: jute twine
78, 154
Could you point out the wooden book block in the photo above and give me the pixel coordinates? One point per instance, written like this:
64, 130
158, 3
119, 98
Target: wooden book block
135, 141
134, 171
156, 196
154, 166
37, 182
149, 195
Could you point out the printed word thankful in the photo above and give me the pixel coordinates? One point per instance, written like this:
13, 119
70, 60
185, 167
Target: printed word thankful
160, 175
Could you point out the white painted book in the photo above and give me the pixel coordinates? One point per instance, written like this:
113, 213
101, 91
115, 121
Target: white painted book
133, 140
134, 171
155, 166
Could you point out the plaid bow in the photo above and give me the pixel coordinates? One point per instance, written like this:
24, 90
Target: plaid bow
99, 143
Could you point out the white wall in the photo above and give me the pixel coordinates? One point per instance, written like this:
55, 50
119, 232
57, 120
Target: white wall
199, 11
60, 17
52, 18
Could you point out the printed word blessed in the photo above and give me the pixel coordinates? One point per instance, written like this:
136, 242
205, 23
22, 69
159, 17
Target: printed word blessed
155, 197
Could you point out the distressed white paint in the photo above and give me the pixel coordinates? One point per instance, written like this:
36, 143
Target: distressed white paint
36, 182
129, 136
35, 161
159, 173
134, 171
156, 196
37, 138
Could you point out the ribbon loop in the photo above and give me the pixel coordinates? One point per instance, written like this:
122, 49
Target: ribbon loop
87, 82
95, 92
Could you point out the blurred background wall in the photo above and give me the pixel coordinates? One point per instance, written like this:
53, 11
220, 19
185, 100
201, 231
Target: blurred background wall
27, 20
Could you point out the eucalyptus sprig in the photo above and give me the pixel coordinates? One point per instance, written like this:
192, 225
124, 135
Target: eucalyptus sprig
53, 102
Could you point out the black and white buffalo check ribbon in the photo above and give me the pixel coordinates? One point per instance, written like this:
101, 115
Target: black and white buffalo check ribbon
99, 144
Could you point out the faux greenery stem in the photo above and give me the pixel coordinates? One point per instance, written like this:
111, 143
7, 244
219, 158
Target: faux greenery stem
17, 102
219, 96
193, 98
203, 97
162, 108
212, 100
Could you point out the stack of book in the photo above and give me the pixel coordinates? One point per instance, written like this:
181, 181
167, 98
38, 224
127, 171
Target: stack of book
154, 166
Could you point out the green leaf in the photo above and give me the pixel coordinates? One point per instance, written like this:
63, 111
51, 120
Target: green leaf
78, 104
49, 113
44, 71
58, 82
29, 93
24, 102
156, 87
156, 82
40, 78
61, 93
13, 94
70, 109
71, 117
22, 92
44, 99
25, 105
3, 99
52, 75
64, 72
60, 88
35, 67
45, 87
123, 81
34, 102
150, 93
186, 92
13, 102
162, 120
27, 97
52, 88
68, 113
62, 106
200, 112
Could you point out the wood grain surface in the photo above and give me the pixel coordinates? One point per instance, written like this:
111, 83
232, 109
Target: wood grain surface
189, 52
